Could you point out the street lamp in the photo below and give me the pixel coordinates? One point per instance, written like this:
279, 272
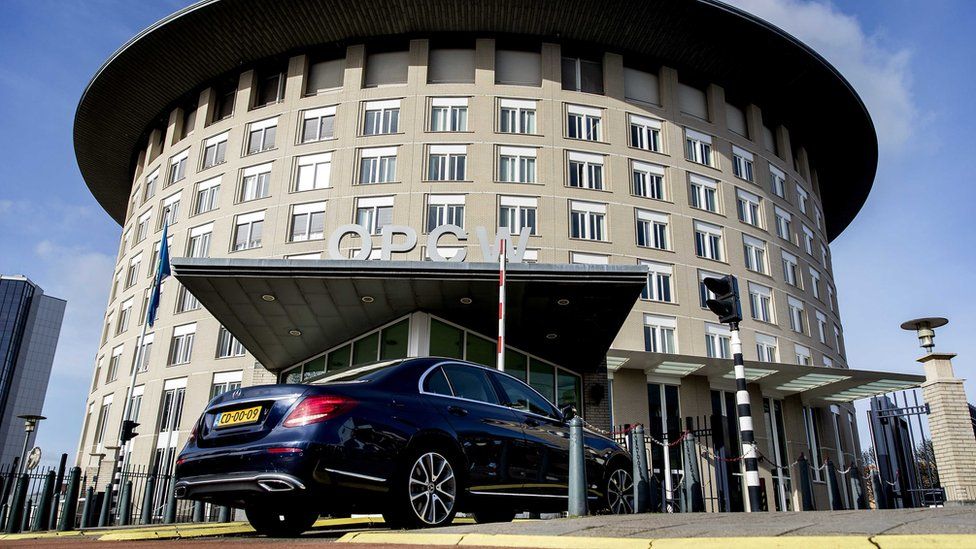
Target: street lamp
925, 328
30, 425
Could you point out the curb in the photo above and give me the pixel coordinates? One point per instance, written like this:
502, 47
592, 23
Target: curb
913, 541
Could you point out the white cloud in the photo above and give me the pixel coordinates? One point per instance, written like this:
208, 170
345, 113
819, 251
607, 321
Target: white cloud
880, 75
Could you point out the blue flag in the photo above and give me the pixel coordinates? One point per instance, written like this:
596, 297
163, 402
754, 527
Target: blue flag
161, 273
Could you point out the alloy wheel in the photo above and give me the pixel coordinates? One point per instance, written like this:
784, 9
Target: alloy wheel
620, 492
432, 488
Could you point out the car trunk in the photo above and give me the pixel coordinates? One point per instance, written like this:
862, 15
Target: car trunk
246, 415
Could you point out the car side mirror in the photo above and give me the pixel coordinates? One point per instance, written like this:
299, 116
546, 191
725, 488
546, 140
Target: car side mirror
568, 411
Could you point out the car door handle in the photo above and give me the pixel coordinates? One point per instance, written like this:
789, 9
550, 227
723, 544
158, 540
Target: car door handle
457, 410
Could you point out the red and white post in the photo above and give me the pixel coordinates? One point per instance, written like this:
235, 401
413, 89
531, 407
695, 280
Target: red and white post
502, 261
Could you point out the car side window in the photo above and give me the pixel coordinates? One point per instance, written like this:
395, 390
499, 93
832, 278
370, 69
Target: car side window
470, 383
436, 383
520, 397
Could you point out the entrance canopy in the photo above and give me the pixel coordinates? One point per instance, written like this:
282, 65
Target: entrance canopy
815, 383
285, 311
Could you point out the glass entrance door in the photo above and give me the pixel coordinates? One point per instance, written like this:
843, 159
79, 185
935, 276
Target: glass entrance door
776, 435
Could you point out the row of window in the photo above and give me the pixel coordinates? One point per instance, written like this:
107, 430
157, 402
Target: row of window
660, 336
179, 352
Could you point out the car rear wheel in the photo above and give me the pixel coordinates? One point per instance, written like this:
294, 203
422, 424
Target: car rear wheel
426, 495
493, 515
281, 523
619, 491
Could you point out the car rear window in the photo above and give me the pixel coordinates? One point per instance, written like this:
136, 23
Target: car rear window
470, 383
358, 374
436, 383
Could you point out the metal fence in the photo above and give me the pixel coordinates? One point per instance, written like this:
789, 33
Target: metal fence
48, 498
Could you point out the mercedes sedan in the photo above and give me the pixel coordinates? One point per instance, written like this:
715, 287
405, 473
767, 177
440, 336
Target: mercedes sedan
417, 440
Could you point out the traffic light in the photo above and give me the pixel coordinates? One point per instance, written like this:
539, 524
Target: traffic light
128, 431
726, 303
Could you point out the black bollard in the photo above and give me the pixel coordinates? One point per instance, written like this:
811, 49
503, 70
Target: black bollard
198, 511
125, 504
4, 511
806, 488
639, 461
880, 494
58, 487
170, 517
44, 506
25, 522
104, 518
86, 509
860, 500
147, 500
224, 515
67, 521
15, 520
694, 492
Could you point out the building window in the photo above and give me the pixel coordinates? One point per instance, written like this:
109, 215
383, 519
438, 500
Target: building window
516, 165
585, 171
132, 273
698, 147
761, 302
796, 315
517, 116
318, 124
198, 244
748, 207
314, 172
692, 101
228, 346
374, 213
185, 301
517, 212
830, 296
445, 209
206, 195
154, 258
226, 382
142, 227
125, 315
308, 222
791, 269
215, 150
256, 182
645, 133
181, 346
113, 364
704, 193
801, 199
818, 217
151, 182
381, 117
839, 338
708, 241
641, 86
102, 424
261, 135
810, 421
518, 67
385, 68
169, 210
449, 114
270, 86
783, 222
648, 180
824, 257
777, 181
224, 96
324, 74
718, 341
742, 164
766, 348
143, 365
652, 230
247, 231
755, 254
815, 282
659, 334
807, 238
177, 167
447, 162
377, 165
587, 220
659, 277
584, 123
581, 74
451, 64
821, 327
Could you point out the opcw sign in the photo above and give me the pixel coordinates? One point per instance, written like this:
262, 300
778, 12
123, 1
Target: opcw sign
400, 239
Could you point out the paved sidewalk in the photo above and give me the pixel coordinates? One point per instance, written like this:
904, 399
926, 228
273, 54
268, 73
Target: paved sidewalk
952, 520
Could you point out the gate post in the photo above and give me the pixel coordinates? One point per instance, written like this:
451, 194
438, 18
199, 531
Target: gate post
641, 488
834, 499
694, 493
577, 469
953, 439
806, 490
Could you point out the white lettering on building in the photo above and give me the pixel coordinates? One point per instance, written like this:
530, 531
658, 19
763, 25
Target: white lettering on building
402, 239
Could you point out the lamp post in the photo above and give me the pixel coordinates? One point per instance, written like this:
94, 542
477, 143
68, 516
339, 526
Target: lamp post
925, 329
30, 425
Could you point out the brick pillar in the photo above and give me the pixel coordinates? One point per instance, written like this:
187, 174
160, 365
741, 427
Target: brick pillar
596, 399
951, 428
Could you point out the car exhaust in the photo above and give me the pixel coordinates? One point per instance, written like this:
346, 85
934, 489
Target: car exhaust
180, 491
275, 485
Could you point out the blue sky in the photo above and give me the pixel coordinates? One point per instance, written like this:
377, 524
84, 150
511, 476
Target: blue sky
903, 257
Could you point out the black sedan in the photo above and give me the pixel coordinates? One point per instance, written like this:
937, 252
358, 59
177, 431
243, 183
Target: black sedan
417, 440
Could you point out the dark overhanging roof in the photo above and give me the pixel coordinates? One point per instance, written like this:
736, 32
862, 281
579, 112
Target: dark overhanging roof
323, 299
746, 55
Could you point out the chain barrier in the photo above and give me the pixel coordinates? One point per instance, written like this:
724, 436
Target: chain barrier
647, 436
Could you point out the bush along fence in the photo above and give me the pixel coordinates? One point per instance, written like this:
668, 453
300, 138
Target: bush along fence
62, 498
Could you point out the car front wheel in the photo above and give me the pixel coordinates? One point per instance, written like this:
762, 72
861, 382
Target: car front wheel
280, 523
619, 491
426, 496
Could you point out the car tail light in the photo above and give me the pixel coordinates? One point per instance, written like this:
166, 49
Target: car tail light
318, 408
193, 432
284, 450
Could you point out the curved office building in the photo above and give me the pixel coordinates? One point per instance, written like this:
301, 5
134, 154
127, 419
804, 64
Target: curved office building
334, 176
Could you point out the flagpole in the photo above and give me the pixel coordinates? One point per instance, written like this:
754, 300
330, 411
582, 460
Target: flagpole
502, 261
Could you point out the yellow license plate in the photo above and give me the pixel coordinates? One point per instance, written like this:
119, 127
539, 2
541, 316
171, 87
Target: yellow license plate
233, 418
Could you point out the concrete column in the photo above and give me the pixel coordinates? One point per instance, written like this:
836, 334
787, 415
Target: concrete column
951, 428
